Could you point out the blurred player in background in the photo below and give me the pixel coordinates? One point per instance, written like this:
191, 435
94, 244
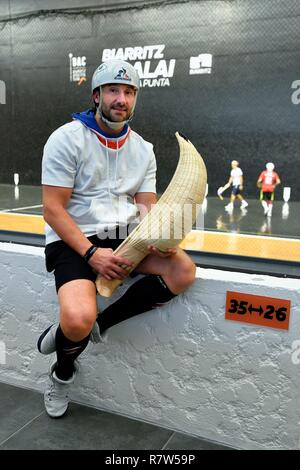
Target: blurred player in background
236, 180
267, 182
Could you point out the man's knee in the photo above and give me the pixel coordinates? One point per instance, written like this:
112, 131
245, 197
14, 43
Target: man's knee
77, 323
187, 274
182, 275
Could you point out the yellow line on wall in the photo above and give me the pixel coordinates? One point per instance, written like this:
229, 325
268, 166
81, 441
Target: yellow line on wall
243, 245
212, 242
22, 223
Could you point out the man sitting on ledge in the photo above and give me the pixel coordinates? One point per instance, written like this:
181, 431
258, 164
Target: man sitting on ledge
88, 165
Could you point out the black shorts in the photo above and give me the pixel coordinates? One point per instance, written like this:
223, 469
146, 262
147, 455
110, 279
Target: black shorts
267, 195
68, 265
235, 190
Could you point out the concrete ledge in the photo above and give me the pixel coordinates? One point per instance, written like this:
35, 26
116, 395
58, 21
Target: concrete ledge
182, 367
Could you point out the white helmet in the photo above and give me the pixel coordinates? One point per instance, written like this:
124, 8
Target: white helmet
270, 166
119, 72
115, 71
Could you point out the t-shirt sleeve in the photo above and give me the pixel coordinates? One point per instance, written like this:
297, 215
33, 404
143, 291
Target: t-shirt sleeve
59, 164
149, 183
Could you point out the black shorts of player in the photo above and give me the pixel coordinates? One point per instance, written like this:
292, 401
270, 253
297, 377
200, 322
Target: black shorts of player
268, 195
68, 265
235, 190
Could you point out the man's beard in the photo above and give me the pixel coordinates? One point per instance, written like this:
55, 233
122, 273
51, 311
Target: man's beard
107, 112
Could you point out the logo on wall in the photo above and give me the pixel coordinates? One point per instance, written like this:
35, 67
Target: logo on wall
201, 64
153, 69
2, 92
77, 69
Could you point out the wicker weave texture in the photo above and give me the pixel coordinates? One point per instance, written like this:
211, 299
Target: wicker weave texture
171, 219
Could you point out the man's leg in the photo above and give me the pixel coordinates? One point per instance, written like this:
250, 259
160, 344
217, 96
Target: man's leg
229, 207
244, 203
78, 311
178, 271
167, 277
271, 203
264, 202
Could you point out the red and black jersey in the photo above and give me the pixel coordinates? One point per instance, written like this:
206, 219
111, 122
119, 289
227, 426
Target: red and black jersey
268, 179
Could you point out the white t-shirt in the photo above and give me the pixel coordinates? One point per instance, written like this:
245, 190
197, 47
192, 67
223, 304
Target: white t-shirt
236, 174
105, 174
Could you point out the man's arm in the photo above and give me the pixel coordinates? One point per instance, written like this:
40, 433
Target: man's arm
55, 201
259, 181
228, 184
241, 182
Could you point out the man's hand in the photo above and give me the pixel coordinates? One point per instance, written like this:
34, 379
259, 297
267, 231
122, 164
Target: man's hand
107, 264
162, 254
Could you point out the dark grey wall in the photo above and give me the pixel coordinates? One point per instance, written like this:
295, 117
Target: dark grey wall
243, 110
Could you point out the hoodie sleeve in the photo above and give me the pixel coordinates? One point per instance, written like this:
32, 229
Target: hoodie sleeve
59, 164
149, 183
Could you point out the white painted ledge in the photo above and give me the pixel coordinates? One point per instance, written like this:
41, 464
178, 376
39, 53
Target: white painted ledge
182, 367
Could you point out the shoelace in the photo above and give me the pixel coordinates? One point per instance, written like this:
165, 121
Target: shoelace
54, 391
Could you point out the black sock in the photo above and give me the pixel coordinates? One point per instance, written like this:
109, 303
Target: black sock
67, 351
149, 292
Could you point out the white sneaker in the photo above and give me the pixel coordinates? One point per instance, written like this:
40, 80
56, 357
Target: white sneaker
229, 207
96, 337
56, 396
244, 204
46, 342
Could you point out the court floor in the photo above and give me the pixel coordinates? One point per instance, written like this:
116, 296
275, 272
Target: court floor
242, 232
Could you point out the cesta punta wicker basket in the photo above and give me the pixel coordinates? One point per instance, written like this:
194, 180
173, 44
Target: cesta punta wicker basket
171, 219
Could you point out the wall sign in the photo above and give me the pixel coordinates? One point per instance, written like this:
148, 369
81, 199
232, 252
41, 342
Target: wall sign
77, 68
201, 64
149, 61
259, 310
